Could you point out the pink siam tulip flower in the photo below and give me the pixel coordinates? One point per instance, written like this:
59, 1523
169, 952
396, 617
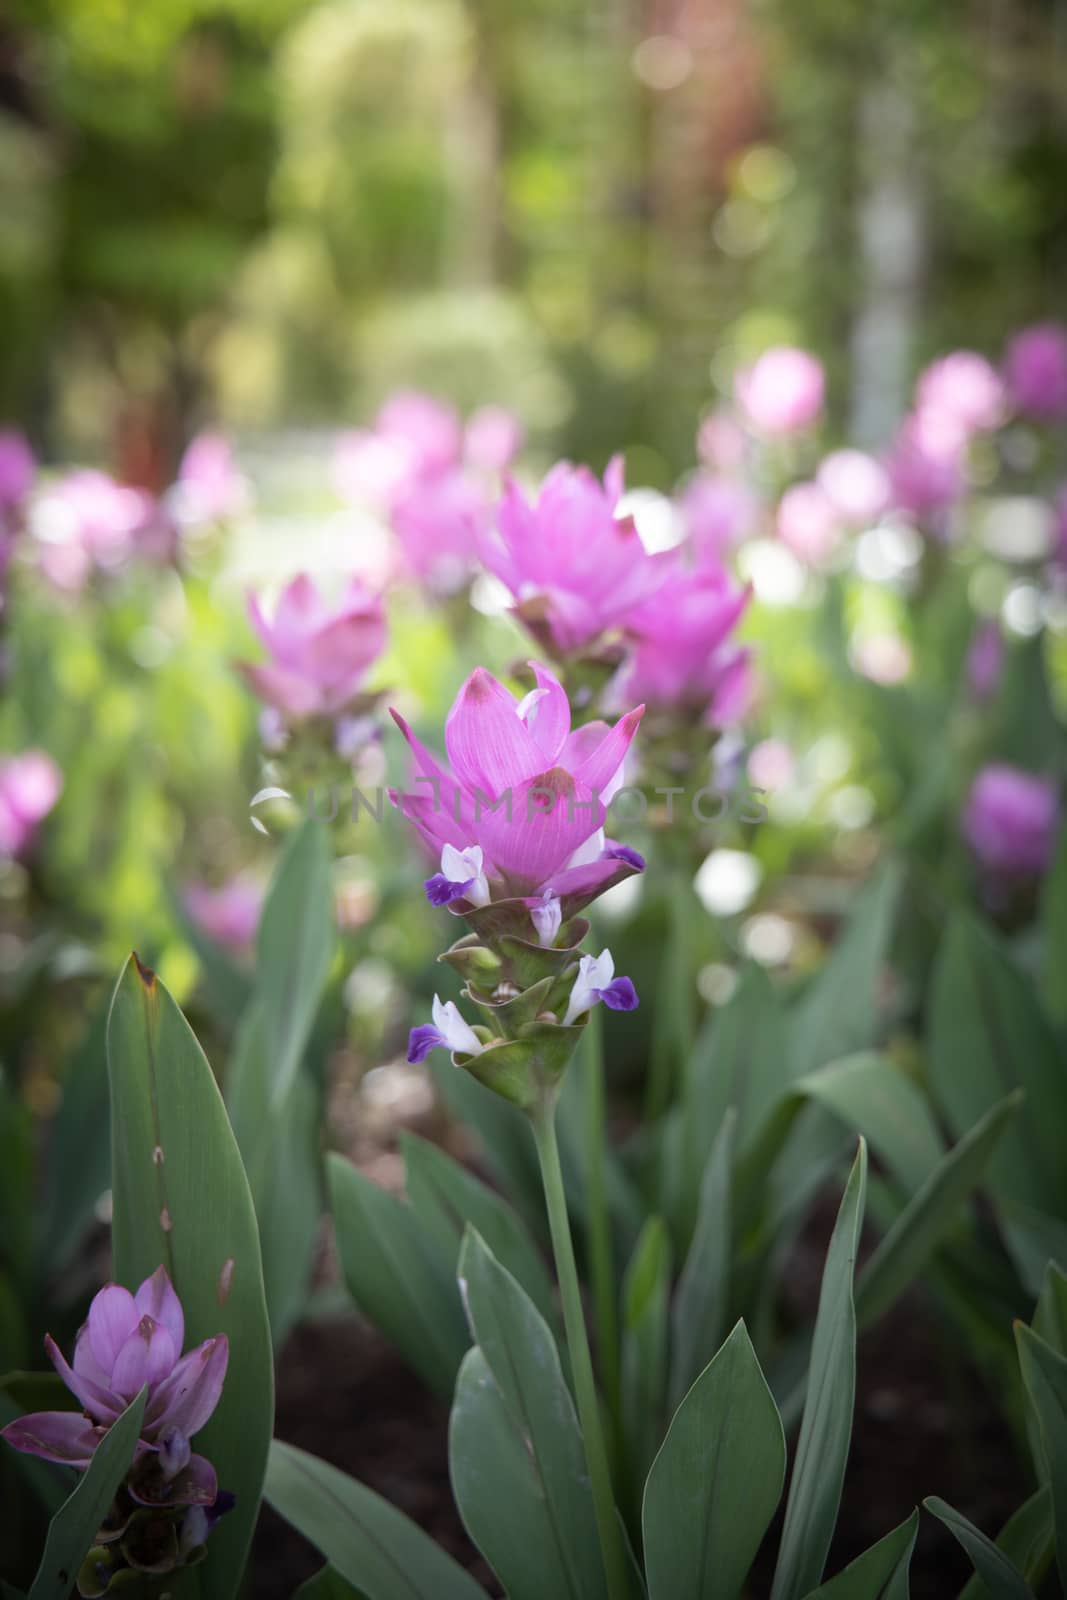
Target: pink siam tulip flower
575, 569
209, 486
963, 386
1035, 370
321, 651
683, 654
30, 785
1011, 820
492, 439
89, 521
985, 660
856, 485
17, 470
782, 392
131, 1340
229, 914
719, 513
439, 522
926, 470
809, 523
520, 811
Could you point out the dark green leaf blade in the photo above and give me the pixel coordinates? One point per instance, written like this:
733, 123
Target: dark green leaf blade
880, 1573
1001, 1576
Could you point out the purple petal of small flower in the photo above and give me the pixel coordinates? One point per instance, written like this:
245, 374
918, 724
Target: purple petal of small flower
441, 891
158, 1299
113, 1316
424, 1039
98, 1400
63, 1436
188, 1397
620, 995
622, 852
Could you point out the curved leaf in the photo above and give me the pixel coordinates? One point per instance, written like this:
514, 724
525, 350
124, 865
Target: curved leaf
1001, 1577
880, 1573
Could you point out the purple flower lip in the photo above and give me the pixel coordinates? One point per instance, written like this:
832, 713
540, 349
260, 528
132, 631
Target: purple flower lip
128, 1342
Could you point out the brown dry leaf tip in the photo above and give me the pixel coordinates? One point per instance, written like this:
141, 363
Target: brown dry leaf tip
146, 975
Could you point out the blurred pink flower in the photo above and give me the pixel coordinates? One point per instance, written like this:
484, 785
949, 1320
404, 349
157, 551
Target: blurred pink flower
1035, 370
439, 522
809, 523
228, 914
492, 439
965, 387
683, 652
782, 392
885, 658
721, 442
30, 785
87, 520
1011, 820
320, 650
17, 469
925, 467
520, 810
574, 568
771, 764
210, 488
856, 485
718, 513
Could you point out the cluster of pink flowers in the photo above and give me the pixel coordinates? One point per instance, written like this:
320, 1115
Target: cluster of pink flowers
432, 478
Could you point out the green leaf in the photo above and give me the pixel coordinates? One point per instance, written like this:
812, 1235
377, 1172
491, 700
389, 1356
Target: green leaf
645, 1339
880, 1573
515, 1451
369, 1542
1026, 1539
987, 1037
72, 1531
872, 1097
928, 1216
716, 1481
180, 1197
740, 1058
446, 1197
1054, 934
78, 1169
839, 1012
1050, 1313
295, 948
505, 1138
1000, 1575
397, 1275
327, 1584
700, 1304
1045, 1378
826, 1426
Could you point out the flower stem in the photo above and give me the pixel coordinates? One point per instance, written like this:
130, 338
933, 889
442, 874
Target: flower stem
608, 1527
601, 1265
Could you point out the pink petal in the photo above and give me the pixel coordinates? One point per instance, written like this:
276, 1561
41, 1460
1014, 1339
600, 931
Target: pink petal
148, 1356
439, 808
604, 762
97, 1398
63, 1436
489, 746
85, 1363
187, 1398
282, 688
549, 718
537, 840
113, 1316
158, 1299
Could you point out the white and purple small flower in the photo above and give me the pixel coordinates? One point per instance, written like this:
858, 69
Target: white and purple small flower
596, 981
448, 1031
461, 877
547, 918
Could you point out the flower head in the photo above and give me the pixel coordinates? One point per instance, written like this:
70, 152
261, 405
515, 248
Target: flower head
925, 466
964, 387
520, 808
129, 1341
209, 486
1035, 371
782, 392
718, 514
809, 523
575, 569
1010, 821
88, 521
228, 914
30, 785
856, 485
320, 652
684, 654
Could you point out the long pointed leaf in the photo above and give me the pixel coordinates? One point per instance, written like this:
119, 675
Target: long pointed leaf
1001, 1576
880, 1573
